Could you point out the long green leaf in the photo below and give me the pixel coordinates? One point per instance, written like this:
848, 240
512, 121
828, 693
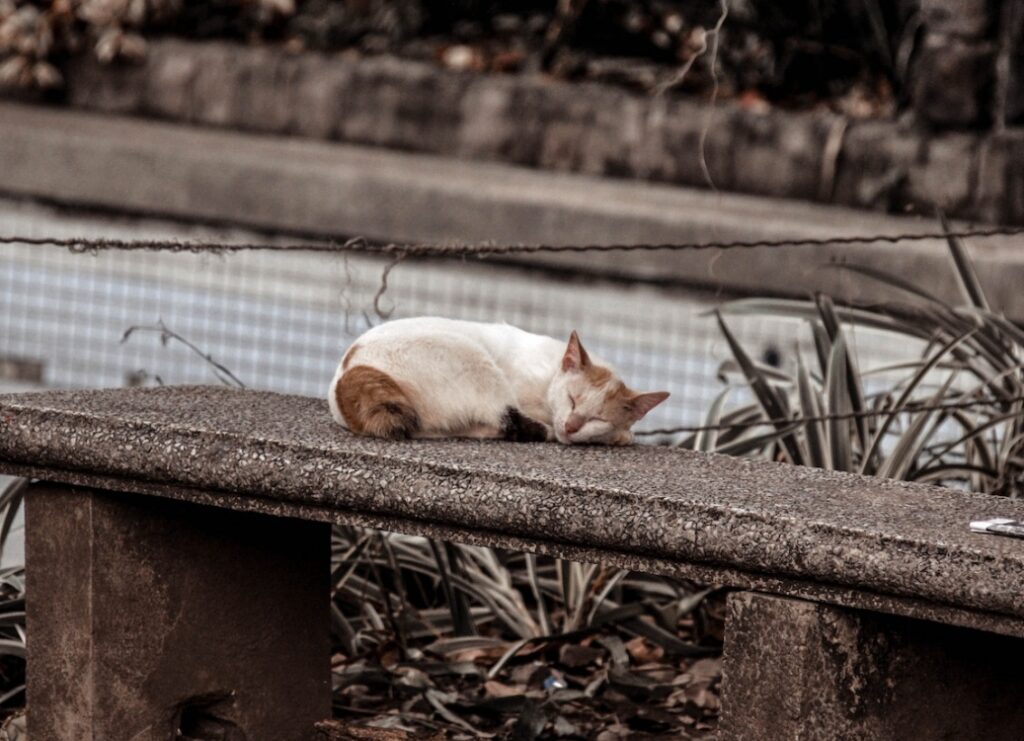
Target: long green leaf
972, 433
838, 396
969, 282
10, 503
814, 430
12, 648
462, 619
746, 444
942, 473
822, 345
832, 324
769, 399
706, 439
868, 464
769, 372
542, 609
903, 457
887, 278
796, 309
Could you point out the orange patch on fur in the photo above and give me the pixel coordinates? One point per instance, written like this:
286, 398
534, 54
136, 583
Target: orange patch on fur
621, 393
616, 405
373, 403
597, 375
348, 357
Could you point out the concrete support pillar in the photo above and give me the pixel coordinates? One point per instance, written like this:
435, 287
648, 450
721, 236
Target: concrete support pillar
149, 618
804, 670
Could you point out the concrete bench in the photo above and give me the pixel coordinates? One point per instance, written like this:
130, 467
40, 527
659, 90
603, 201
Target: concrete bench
172, 531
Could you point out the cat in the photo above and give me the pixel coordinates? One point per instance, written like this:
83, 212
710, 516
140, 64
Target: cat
430, 377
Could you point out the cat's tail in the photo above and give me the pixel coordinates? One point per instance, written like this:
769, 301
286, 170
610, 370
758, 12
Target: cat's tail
373, 403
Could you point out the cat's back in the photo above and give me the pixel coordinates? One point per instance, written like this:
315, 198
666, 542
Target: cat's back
433, 328
409, 345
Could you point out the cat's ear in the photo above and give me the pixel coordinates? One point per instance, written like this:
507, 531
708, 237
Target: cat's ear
640, 404
575, 357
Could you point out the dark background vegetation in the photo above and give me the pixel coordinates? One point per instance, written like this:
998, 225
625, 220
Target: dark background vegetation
851, 54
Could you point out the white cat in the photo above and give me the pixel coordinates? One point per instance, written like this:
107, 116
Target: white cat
430, 377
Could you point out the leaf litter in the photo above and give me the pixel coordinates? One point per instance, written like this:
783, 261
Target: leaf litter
637, 660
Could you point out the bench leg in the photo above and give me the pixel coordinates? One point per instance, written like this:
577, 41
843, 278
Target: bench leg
804, 670
149, 618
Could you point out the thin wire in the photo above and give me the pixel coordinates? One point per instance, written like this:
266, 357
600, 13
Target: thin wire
360, 244
832, 417
402, 251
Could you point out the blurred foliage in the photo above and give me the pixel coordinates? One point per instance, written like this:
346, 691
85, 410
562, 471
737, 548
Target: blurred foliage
12, 618
853, 54
965, 353
37, 36
432, 635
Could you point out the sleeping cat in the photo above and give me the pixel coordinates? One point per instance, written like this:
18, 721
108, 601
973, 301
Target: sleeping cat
430, 378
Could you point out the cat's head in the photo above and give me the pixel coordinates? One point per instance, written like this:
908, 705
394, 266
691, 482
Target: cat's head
590, 404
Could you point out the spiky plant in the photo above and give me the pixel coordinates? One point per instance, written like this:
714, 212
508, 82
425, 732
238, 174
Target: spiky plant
393, 586
830, 412
12, 615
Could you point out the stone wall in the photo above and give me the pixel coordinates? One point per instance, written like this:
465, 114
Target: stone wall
957, 65
587, 128
969, 68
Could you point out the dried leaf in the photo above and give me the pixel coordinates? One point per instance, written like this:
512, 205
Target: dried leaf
644, 651
494, 688
574, 656
704, 671
531, 722
617, 649
562, 727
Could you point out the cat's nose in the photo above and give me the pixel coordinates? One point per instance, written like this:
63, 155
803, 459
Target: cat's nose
573, 424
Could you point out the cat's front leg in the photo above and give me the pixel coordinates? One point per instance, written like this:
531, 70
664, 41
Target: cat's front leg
517, 427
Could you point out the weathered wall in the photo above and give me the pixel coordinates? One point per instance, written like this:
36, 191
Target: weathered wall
800, 670
312, 187
968, 71
955, 68
589, 128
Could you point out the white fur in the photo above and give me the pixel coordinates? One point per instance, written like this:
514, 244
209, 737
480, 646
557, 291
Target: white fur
463, 376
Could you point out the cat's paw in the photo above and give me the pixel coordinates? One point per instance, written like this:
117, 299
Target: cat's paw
517, 427
623, 438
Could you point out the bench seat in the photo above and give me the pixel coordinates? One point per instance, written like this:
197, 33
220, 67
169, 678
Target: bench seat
858, 541
811, 550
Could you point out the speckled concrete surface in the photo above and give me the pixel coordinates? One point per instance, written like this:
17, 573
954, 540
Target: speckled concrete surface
752, 523
804, 671
142, 607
